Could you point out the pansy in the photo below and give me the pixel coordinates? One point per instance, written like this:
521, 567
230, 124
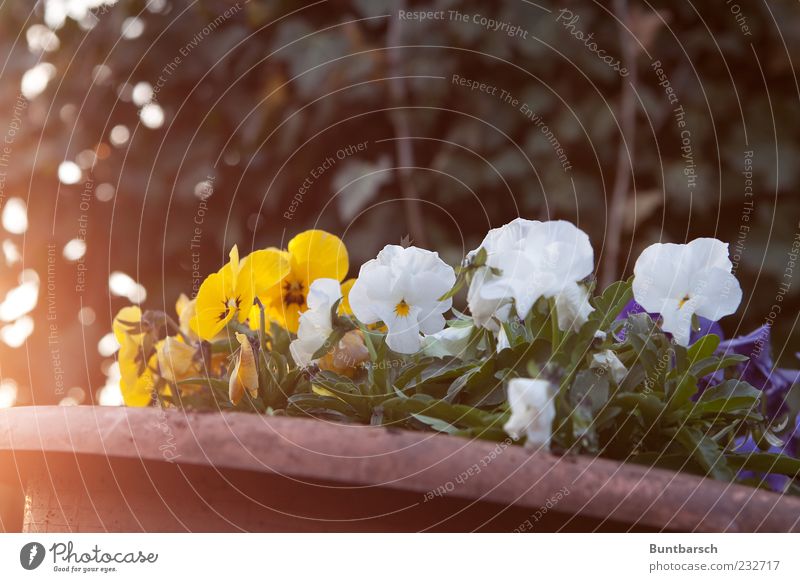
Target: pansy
680, 281
176, 359
760, 370
532, 410
136, 378
609, 362
223, 295
244, 375
451, 342
491, 291
401, 288
791, 447
283, 278
527, 260
185, 308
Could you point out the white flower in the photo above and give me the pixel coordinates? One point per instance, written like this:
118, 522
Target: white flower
502, 340
450, 342
609, 362
679, 281
401, 288
534, 259
572, 306
315, 323
490, 295
532, 410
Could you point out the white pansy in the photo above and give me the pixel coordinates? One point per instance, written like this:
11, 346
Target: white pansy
315, 323
609, 362
490, 295
572, 306
401, 288
533, 259
449, 342
502, 340
678, 281
532, 410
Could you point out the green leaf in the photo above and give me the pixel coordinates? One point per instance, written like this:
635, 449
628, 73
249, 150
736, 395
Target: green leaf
729, 396
436, 424
713, 364
611, 302
685, 389
589, 390
479, 380
329, 343
706, 452
703, 348
766, 463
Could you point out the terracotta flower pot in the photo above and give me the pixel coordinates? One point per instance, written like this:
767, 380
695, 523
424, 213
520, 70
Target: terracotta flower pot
124, 469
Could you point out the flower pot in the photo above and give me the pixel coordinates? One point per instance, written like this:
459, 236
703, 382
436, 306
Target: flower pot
144, 469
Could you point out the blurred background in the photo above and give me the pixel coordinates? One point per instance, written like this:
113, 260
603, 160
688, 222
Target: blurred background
142, 139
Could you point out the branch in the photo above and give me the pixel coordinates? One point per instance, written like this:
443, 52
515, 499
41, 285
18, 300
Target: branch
403, 147
625, 154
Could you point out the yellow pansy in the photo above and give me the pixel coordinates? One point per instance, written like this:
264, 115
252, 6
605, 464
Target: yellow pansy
185, 308
230, 291
344, 306
136, 379
176, 359
245, 373
313, 254
223, 295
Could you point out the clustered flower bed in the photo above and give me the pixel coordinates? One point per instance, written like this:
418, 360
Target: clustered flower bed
638, 372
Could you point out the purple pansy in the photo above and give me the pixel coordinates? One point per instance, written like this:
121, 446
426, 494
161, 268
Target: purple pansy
706, 325
791, 447
759, 370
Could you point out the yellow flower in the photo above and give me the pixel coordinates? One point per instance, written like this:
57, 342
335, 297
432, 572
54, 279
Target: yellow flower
185, 308
230, 291
245, 373
136, 379
313, 254
176, 360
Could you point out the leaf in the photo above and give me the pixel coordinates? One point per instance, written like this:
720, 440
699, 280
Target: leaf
455, 414
713, 364
590, 391
766, 463
436, 424
611, 302
706, 452
316, 405
479, 380
329, 343
460, 280
703, 348
729, 396
685, 389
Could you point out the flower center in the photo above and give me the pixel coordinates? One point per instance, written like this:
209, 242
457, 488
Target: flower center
294, 292
683, 301
228, 305
402, 308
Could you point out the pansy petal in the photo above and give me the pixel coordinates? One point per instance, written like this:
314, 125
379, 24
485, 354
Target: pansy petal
403, 336
318, 254
211, 312
265, 269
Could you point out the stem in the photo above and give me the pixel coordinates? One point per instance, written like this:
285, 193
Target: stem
403, 148
625, 153
555, 332
262, 326
171, 323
